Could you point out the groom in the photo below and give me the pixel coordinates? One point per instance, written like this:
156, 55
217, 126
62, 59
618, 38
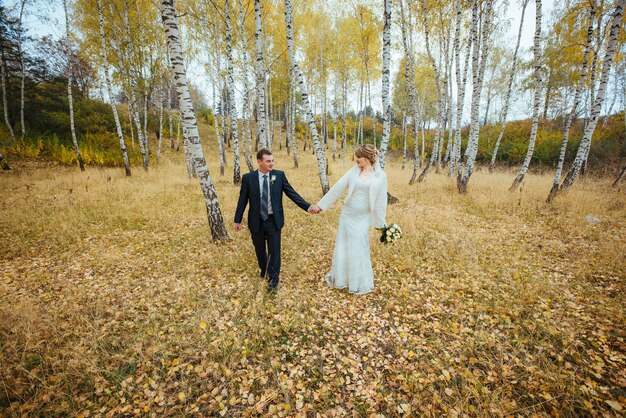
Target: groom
263, 189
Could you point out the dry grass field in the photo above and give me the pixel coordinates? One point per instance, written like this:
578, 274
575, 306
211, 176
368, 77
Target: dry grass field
115, 302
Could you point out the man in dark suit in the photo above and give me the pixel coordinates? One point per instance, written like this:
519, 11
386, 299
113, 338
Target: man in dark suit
263, 189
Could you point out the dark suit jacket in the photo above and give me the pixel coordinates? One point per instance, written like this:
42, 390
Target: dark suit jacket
251, 193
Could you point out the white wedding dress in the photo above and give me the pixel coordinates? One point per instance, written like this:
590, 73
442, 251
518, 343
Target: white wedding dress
352, 266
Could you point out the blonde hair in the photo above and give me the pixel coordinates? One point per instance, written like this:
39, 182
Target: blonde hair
368, 151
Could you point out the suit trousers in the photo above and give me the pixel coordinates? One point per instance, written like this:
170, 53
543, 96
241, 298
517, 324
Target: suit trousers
267, 247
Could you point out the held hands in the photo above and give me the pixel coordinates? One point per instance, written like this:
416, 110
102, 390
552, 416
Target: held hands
314, 209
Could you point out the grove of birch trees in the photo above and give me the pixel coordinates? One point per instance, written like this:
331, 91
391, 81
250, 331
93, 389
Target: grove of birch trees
421, 79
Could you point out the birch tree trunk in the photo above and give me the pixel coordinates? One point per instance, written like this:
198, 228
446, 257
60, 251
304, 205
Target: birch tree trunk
319, 149
334, 137
292, 120
478, 71
435, 149
536, 101
5, 103
507, 98
288, 117
260, 78
216, 221
70, 98
216, 125
568, 124
585, 143
169, 110
130, 124
269, 111
179, 122
409, 76
107, 79
404, 136
610, 109
160, 125
386, 102
245, 114
455, 153
231, 96
22, 70
191, 172
224, 111
133, 105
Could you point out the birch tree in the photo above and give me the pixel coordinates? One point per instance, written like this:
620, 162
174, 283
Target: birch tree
385, 92
572, 114
132, 100
409, 76
456, 144
478, 70
293, 141
537, 98
262, 125
318, 148
585, 142
216, 118
507, 98
5, 102
170, 22
245, 113
70, 98
440, 99
20, 30
107, 79
231, 96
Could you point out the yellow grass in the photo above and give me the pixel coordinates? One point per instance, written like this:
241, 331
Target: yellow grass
114, 301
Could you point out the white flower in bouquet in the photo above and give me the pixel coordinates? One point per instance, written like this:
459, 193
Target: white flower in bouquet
390, 233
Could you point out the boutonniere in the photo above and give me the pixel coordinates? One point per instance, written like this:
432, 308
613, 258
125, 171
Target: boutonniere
272, 180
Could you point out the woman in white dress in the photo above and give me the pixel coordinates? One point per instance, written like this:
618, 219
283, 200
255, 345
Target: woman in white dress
365, 205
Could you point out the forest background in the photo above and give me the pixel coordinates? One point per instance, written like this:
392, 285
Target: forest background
339, 48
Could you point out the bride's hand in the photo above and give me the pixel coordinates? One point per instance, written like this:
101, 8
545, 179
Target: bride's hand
314, 209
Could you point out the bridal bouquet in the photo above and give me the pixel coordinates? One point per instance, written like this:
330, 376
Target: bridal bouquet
390, 233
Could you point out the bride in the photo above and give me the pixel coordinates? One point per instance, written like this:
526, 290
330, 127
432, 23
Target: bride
365, 205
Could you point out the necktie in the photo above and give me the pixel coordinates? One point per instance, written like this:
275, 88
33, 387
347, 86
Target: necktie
265, 198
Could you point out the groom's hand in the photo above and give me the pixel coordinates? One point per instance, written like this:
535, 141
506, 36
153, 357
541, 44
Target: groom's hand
314, 209
237, 227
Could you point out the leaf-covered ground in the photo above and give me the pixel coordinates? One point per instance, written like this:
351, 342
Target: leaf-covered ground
114, 301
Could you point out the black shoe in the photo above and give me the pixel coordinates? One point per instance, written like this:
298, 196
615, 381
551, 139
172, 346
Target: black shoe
272, 290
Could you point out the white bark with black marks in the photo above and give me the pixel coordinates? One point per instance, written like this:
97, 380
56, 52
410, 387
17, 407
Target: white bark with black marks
536, 101
409, 76
385, 76
318, 148
133, 105
585, 142
507, 97
245, 113
260, 78
214, 214
479, 59
440, 98
231, 96
70, 97
570, 118
22, 69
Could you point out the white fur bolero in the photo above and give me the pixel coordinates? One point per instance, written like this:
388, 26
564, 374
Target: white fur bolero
377, 193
